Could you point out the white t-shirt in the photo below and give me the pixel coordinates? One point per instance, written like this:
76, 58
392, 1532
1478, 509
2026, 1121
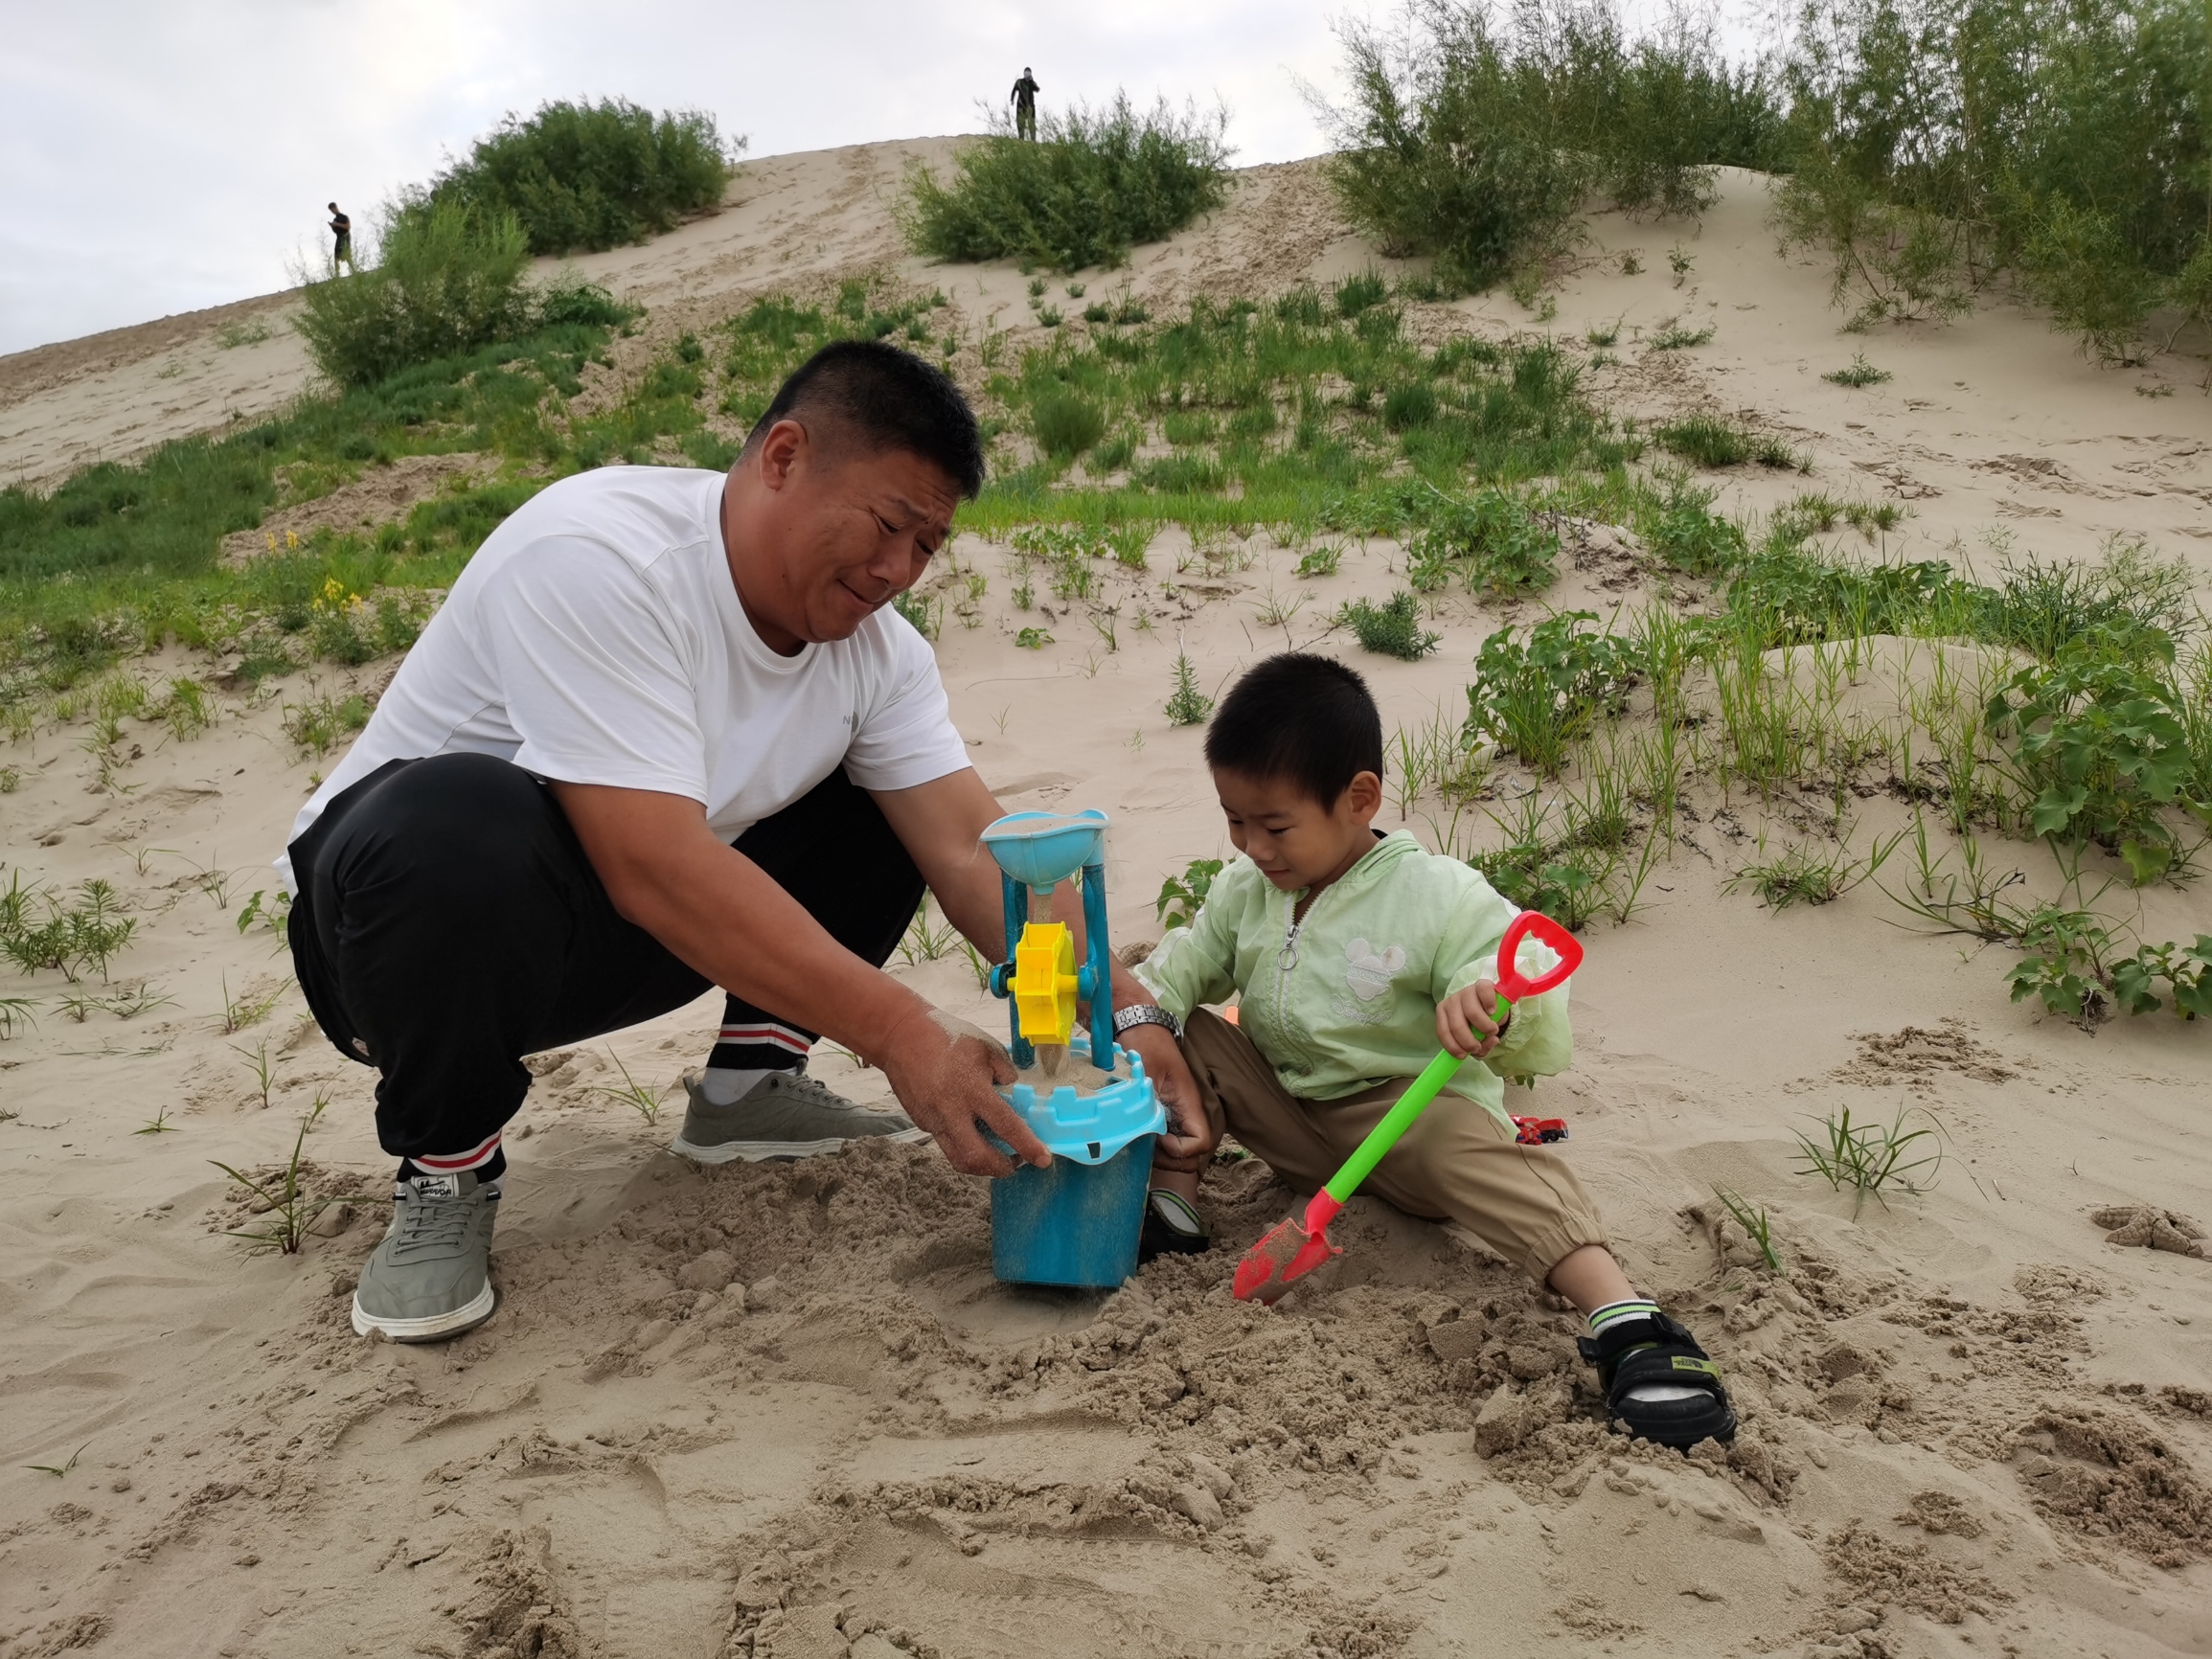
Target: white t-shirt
597, 638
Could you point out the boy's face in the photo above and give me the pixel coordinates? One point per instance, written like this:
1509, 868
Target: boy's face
1294, 839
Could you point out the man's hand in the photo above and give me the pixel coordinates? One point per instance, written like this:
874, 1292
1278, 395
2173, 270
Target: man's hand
1466, 1021
942, 1070
1188, 1141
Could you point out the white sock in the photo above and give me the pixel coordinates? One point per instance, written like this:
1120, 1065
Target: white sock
724, 1085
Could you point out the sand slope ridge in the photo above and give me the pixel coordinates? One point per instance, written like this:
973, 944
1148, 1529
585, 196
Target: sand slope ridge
785, 1410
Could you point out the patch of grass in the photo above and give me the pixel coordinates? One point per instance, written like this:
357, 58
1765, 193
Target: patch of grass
645, 1101
1857, 374
1753, 1219
1066, 424
60, 1471
1675, 338
1093, 184
291, 1209
1392, 629
320, 724
1804, 874
591, 175
927, 616
924, 942
1710, 440
1873, 1158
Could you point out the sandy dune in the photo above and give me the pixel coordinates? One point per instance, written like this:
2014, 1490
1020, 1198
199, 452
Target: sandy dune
787, 1412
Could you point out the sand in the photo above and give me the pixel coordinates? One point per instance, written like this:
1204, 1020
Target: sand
786, 1411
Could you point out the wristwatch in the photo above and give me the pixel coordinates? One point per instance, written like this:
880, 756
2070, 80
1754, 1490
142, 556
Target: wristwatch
1146, 1014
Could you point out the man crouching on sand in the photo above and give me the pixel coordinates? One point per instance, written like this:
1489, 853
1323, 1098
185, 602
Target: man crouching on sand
665, 734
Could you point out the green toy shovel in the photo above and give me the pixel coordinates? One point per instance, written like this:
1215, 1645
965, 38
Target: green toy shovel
1300, 1244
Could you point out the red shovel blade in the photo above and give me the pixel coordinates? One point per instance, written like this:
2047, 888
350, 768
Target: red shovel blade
1288, 1252
1529, 924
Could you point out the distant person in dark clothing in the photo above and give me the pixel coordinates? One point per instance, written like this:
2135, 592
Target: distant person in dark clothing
1025, 91
342, 228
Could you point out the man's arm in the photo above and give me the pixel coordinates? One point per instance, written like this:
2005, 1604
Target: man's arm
717, 910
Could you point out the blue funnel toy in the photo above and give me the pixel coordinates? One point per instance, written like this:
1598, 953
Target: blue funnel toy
1076, 1222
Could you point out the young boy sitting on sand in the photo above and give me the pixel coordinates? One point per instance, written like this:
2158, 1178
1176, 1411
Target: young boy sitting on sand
1354, 956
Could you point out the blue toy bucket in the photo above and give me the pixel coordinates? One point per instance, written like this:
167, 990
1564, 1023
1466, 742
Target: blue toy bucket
1076, 1222
1073, 1225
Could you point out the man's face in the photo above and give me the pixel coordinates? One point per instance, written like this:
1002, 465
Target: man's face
851, 530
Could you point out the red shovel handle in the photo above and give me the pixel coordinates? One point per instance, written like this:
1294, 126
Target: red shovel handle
1528, 925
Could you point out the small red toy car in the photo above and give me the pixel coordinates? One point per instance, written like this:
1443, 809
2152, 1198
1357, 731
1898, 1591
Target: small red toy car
1539, 1131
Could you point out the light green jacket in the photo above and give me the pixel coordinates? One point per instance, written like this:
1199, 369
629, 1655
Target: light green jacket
1346, 999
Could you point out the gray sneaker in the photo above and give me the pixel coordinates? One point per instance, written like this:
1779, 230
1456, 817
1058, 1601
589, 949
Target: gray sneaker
431, 1277
785, 1115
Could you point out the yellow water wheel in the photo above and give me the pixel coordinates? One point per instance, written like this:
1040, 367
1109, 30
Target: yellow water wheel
1044, 985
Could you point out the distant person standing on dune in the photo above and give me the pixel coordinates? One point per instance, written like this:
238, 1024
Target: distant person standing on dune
342, 228
1025, 91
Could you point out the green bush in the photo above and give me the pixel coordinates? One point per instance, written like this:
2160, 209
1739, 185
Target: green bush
448, 279
1538, 696
1092, 185
1943, 141
1478, 143
2101, 747
591, 175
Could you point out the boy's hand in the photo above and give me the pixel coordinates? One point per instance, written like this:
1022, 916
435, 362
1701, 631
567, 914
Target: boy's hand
1466, 1021
1188, 1142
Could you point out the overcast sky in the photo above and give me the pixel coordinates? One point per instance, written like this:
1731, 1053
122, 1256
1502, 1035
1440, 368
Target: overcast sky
160, 157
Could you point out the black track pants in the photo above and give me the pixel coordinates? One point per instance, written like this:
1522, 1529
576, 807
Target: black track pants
448, 923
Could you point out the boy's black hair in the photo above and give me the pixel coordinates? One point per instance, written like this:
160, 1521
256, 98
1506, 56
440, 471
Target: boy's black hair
884, 399
1305, 718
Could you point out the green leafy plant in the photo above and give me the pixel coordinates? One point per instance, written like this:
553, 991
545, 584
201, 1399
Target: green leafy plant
38, 931
1187, 705
2100, 747
1675, 338
14, 1011
1066, 423
1321, 560
1872, 1157
1032, 639
2186, 969
1392, 629
245, 1010
1537, 697
1182, 896
1490, 538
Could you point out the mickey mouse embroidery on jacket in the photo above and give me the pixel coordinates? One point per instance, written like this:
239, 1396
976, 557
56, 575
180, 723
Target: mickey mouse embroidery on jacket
1367, 976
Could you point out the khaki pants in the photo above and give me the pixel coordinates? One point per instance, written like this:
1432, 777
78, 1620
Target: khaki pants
1458, 1162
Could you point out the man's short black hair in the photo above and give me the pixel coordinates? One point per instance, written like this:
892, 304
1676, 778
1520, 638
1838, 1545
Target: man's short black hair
1305, 718
883, 398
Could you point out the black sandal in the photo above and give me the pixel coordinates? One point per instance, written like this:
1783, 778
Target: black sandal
1658, 1351
1162, 1237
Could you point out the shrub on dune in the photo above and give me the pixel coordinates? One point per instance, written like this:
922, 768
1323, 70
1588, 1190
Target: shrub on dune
1093, 183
